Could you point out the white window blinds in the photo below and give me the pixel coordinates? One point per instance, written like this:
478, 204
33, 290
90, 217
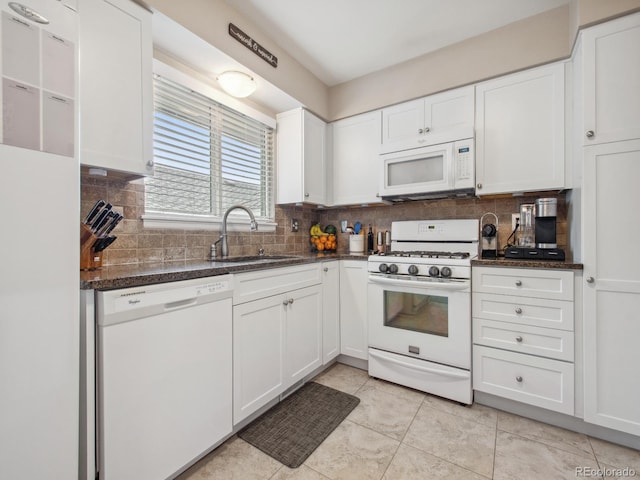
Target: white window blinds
207, 156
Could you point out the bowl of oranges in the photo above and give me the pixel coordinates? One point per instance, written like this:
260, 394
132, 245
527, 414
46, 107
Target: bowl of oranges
323, 240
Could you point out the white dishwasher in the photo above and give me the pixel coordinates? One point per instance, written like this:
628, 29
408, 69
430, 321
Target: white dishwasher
164, 385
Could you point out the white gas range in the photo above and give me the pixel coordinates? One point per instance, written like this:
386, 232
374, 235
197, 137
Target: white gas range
419, 299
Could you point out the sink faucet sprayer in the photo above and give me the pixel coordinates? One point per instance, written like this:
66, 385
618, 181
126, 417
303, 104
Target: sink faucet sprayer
223, 236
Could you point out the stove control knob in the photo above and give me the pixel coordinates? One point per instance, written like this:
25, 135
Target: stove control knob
393, 268
413, 270
445, 272
383, 267
434, 271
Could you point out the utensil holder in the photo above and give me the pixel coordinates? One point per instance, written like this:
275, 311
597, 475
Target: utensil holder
89, 258
356, 244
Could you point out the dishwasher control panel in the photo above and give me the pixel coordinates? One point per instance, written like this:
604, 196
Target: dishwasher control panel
116, 306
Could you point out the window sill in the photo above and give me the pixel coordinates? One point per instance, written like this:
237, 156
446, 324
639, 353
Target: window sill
237, 223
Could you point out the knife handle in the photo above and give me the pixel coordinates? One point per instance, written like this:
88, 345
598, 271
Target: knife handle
94, 211
103, 213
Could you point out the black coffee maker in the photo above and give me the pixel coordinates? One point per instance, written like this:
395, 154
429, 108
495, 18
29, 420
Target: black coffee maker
546, 246
546, 214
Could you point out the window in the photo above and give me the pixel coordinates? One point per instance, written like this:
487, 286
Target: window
207, 157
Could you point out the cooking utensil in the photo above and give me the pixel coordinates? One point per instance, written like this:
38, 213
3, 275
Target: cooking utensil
111, 225
94, 211
357, 227
103, 243
103, 213
100, 226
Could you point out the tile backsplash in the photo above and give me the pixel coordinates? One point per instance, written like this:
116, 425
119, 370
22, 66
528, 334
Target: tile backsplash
137, 244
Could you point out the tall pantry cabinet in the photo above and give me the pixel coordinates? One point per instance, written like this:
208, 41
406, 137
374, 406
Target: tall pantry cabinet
607, 140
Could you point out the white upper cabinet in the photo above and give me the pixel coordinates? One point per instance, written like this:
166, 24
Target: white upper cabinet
354, 153
611, 71
301, 170
520, 131
116, 91
431, 120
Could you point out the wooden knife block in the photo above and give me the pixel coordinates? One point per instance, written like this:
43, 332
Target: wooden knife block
89, 259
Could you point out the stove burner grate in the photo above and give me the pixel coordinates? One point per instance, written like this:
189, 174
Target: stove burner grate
429, 254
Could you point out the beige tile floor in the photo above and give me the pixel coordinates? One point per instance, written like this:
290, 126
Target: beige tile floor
396, 433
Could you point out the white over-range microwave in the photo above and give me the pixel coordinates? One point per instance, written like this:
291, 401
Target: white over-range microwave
443, 170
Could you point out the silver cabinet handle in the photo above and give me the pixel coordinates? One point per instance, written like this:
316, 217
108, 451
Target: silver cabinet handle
420, 131
519, 339
326, 269
285, 302
590, 280
306, 195
427, 129
479, 186
519, 379
590, 133
518, 283
290, 301
518, 310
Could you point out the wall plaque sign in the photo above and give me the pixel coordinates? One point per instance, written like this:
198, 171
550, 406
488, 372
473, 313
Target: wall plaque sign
252, 45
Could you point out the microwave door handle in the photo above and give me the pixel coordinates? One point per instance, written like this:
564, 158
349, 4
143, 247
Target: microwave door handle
419, 283
417, 367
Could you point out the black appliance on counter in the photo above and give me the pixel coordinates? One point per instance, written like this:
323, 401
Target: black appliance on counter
546, 247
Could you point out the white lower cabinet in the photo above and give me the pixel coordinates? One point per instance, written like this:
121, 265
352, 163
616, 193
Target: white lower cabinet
303, 333
353, 309
277, 339
258, 350
529, 379
523, 335
611, 290
330, 311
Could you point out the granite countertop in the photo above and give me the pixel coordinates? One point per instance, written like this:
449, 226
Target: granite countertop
522, 263
126, 276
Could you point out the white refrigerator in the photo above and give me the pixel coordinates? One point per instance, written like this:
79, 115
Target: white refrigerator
39, 242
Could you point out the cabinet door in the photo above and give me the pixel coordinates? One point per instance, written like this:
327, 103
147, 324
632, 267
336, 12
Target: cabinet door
449, 115
258, 352
611, 79
301, 139
330, 311
355, 149
612, 285
314, 155
402, 125
116, 106
439, 118
303, 333
520, 132
353, 309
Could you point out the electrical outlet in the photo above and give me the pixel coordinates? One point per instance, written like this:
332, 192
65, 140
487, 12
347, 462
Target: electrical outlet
294, 225
515, 218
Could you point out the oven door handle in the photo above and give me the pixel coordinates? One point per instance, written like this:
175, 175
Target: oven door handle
416, 367
420, 283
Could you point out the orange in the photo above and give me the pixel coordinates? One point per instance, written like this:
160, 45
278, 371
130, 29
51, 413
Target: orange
320, 247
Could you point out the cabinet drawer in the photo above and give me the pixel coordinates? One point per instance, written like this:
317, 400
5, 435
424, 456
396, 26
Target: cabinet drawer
273, 281
523, 310
525, 378
544, 342
554, 284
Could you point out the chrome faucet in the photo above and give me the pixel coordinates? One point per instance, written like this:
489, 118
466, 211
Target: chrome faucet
223, 236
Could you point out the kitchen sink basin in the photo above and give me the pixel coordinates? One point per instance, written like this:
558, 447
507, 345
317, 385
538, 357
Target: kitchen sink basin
255, 258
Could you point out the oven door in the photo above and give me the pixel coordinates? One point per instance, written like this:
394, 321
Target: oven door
421, 319
420, 170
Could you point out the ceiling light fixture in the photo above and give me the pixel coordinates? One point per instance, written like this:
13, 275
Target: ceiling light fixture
237, 84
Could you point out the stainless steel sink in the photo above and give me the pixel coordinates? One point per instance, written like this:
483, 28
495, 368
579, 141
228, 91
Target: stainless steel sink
255, 258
